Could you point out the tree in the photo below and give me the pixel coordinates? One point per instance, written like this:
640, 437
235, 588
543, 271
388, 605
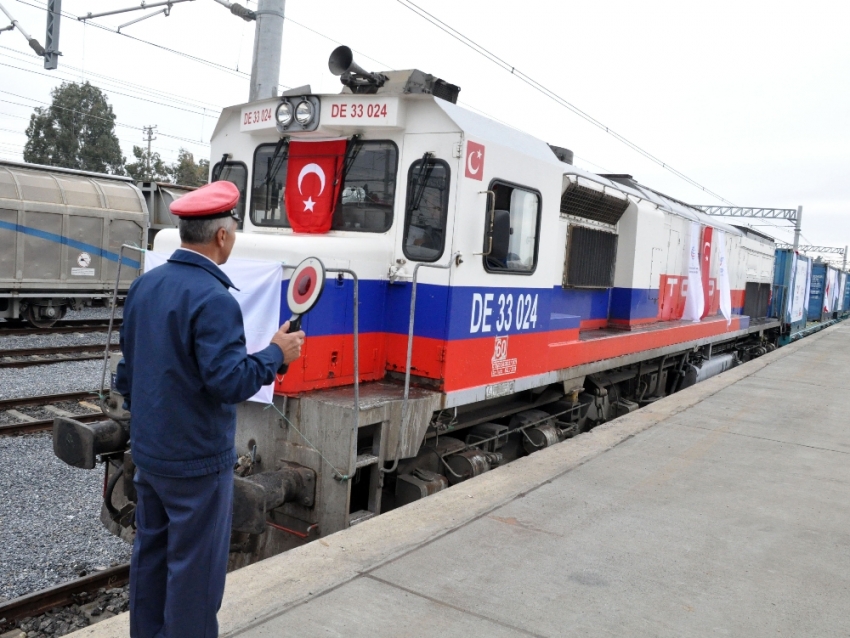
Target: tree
187, 172
148, 168
76, 131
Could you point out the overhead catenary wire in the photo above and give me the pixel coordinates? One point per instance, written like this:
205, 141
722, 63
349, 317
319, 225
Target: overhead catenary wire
189, 56
138, 128
179, 99
148, 100
537, 86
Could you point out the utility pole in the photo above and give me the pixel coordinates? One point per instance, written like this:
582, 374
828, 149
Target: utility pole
51, 36
268, 42
149, 137
268, 37
798, 226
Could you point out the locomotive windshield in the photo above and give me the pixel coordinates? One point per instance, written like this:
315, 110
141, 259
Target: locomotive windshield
237, 174
366, 197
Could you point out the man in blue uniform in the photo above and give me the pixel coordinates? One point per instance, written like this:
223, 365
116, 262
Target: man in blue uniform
185, 366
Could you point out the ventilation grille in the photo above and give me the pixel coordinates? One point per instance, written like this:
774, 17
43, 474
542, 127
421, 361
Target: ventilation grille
591, 255
589, 203
445, 91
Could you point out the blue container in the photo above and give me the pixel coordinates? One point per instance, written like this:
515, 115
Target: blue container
816, 312
845, 307
784, 283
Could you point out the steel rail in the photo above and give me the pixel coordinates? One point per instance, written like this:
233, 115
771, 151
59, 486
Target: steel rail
46, 399
10, 358
60, 327
28, 427
62, 595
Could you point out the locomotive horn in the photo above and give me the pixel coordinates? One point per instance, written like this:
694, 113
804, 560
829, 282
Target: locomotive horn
353, 75
342, 61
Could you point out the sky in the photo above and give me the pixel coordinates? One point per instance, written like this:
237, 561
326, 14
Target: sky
750, 99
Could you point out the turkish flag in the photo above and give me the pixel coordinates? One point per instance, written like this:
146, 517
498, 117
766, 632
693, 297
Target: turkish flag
705, 266
474, 160
313, 180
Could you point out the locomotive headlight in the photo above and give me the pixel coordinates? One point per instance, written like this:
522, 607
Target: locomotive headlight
284, 113
304, 113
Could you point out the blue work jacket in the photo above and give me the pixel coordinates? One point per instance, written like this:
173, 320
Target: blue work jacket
185, 366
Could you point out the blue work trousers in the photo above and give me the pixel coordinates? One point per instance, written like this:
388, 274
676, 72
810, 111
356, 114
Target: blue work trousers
180, 554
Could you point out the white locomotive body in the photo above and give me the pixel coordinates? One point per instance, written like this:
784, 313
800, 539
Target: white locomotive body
506, 299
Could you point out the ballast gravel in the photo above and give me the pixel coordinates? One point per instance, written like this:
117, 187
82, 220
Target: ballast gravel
50, 529
72, 376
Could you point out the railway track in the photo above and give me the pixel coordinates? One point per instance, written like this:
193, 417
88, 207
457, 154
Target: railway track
10, 329
28, 424
62, 595
25, 357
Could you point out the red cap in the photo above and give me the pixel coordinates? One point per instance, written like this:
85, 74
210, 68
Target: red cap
213, 200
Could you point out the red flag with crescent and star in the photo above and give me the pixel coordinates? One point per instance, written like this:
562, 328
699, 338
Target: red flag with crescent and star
313, 180
474, 160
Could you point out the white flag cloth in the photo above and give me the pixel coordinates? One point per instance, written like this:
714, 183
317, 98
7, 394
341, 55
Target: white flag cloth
258, 297
829, 292
809, 267
723, 277
694, 300
799, 287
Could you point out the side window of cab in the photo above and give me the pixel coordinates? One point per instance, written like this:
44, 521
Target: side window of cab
426, 209
512, 228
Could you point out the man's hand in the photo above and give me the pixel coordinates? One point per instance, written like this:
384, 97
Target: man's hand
289, 343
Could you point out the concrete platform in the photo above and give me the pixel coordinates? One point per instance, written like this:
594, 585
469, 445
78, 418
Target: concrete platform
723, 510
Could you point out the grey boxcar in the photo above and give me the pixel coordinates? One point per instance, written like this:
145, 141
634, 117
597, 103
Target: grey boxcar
60, 235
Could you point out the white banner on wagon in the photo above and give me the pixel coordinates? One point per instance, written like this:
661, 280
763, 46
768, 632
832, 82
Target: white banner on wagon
694, 301
799, 287
723, 278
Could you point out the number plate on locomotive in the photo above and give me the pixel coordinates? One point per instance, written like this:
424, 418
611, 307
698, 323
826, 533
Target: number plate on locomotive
361, 111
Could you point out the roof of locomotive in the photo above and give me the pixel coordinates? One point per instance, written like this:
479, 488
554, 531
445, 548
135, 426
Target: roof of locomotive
487, 129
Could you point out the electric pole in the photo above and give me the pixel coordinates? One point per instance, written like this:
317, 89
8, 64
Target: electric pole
268, 42
51, 36
268, 37
149, 137
798, 227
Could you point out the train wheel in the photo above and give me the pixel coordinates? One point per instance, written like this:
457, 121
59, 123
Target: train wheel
34, 317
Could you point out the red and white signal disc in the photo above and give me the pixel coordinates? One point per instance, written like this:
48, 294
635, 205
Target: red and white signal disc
305, 286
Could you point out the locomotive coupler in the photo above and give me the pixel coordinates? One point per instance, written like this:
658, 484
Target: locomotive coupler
254, 496
79, 444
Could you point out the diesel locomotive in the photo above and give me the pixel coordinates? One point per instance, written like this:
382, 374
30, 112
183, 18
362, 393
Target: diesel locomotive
485, 299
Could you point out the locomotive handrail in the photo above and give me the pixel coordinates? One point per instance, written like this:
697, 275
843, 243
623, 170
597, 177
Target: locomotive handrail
406, 402
112, 320
356, 321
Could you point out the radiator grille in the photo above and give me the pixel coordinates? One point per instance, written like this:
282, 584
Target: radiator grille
591, 255
582, 201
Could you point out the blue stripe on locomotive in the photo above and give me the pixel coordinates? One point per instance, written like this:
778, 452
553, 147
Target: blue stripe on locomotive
73, 243
462, 312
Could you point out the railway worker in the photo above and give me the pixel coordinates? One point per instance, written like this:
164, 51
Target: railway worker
185, 366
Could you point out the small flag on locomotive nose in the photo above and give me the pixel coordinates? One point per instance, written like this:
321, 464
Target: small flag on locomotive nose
313, 181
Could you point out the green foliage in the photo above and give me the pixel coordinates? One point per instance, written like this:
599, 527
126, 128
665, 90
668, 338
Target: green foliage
76, 131
148, 169
187, 173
